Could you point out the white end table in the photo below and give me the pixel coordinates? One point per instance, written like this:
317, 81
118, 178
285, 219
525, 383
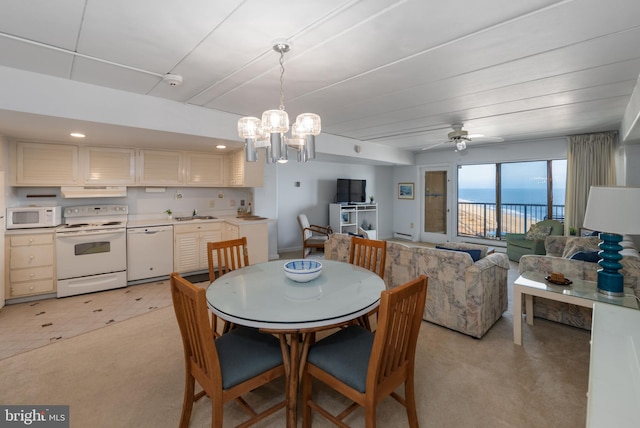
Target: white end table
580, 292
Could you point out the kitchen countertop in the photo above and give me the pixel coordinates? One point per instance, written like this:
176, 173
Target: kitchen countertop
172, 222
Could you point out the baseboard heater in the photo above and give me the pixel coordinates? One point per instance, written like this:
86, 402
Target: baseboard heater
405, 236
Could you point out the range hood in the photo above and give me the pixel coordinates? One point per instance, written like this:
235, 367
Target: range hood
93, 191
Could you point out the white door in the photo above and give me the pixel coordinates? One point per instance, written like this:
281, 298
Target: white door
436, 190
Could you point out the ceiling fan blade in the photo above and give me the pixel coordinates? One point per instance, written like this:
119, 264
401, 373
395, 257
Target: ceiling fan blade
434, 146
485, 139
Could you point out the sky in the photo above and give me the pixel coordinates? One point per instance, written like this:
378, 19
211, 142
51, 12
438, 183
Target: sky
514, 175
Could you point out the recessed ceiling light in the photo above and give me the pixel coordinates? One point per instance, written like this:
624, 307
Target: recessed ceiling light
77, 135
221, 146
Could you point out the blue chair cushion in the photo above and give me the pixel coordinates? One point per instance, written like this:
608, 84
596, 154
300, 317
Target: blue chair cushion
586, 256
475, 254
345, 355
244, 353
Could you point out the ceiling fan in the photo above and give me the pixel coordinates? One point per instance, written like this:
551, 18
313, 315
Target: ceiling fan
459, 137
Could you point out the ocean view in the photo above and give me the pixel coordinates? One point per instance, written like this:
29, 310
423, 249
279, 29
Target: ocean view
511, 196
520, 208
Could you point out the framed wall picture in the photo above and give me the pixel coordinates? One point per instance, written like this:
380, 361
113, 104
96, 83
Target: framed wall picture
405, 190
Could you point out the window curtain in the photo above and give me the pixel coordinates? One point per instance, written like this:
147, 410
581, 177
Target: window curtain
590, 162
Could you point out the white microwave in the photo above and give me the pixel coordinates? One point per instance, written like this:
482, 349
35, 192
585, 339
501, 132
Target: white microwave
32, 217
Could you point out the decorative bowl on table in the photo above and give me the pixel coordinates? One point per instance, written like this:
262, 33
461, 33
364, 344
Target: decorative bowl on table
302, 270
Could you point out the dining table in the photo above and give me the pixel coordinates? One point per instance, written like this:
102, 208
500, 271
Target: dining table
263, 297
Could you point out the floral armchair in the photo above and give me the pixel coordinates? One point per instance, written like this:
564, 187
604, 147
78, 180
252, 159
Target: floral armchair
520, 244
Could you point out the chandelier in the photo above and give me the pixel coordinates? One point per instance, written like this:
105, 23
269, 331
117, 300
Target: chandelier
271, 131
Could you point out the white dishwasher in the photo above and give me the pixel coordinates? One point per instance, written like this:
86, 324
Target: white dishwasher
149, 252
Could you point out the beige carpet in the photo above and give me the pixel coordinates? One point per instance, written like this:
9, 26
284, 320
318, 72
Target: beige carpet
130, 374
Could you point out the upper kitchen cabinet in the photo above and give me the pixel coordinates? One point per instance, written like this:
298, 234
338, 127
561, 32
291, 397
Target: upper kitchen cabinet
204, 169
160, 168
245, 174
108, 166
37, 164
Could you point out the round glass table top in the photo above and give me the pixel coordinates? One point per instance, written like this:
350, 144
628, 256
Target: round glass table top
261, 295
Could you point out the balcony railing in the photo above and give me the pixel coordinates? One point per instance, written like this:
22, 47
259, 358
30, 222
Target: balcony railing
479, 219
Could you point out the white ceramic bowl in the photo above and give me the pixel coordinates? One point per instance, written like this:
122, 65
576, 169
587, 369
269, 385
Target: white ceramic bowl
303, 270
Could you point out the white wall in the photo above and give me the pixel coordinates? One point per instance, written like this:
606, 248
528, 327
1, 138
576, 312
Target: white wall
318, 189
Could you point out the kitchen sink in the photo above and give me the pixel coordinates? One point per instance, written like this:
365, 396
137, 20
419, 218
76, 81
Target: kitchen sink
196, 217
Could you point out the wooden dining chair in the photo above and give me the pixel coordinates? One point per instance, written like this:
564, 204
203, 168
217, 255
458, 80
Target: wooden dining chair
227, 368
223, 257
370, 254
227, 256
366, 367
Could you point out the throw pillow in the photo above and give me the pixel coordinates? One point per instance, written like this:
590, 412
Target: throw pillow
586, 256
538, 231
475, 254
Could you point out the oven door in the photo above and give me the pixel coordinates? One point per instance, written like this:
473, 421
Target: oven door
91, 252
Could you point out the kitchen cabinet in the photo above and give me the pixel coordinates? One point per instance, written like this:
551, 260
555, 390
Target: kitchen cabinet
30, 265
245, 174
204, 169
257, 235
56, 165
37, 164
160, 168
190, 245
108, 166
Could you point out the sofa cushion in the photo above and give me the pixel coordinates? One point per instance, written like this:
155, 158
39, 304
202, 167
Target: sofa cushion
577, 244
538, 231
475, 254
586, 256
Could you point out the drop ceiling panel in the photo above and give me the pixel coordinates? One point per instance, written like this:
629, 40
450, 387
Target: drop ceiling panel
149, 35
56, 23
17, 54
111, 76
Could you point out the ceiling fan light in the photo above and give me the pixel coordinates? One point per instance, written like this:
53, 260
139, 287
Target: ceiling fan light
249, 127
461, 145
309, 123
275, 121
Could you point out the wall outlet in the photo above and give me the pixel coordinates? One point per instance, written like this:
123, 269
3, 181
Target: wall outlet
232, 202
212, 203
410, 225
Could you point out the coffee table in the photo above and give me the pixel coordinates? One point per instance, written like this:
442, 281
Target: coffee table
580, 292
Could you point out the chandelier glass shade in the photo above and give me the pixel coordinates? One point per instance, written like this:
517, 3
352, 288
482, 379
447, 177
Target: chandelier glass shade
271, 131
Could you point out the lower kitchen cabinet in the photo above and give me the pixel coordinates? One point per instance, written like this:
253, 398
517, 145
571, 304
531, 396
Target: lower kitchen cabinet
29, 265
190, 245
257, 235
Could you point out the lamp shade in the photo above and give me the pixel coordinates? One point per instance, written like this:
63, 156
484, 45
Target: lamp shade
613, 210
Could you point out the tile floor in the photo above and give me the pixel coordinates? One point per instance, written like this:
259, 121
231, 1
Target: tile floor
30, 325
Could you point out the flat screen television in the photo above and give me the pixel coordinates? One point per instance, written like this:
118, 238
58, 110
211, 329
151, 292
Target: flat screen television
350, 190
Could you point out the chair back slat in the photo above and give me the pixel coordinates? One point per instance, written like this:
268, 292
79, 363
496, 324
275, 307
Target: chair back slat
399, 319
370, 254
227, 256
190, 305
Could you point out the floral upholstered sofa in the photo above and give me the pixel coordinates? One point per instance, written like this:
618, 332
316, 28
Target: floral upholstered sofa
462, 295
559, 250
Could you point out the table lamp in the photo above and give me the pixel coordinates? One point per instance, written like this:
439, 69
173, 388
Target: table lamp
613, 211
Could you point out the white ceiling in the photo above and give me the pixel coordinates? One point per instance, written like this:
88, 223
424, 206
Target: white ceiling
397, 73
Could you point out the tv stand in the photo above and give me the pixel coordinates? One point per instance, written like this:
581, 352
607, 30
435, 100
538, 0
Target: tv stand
348, 217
